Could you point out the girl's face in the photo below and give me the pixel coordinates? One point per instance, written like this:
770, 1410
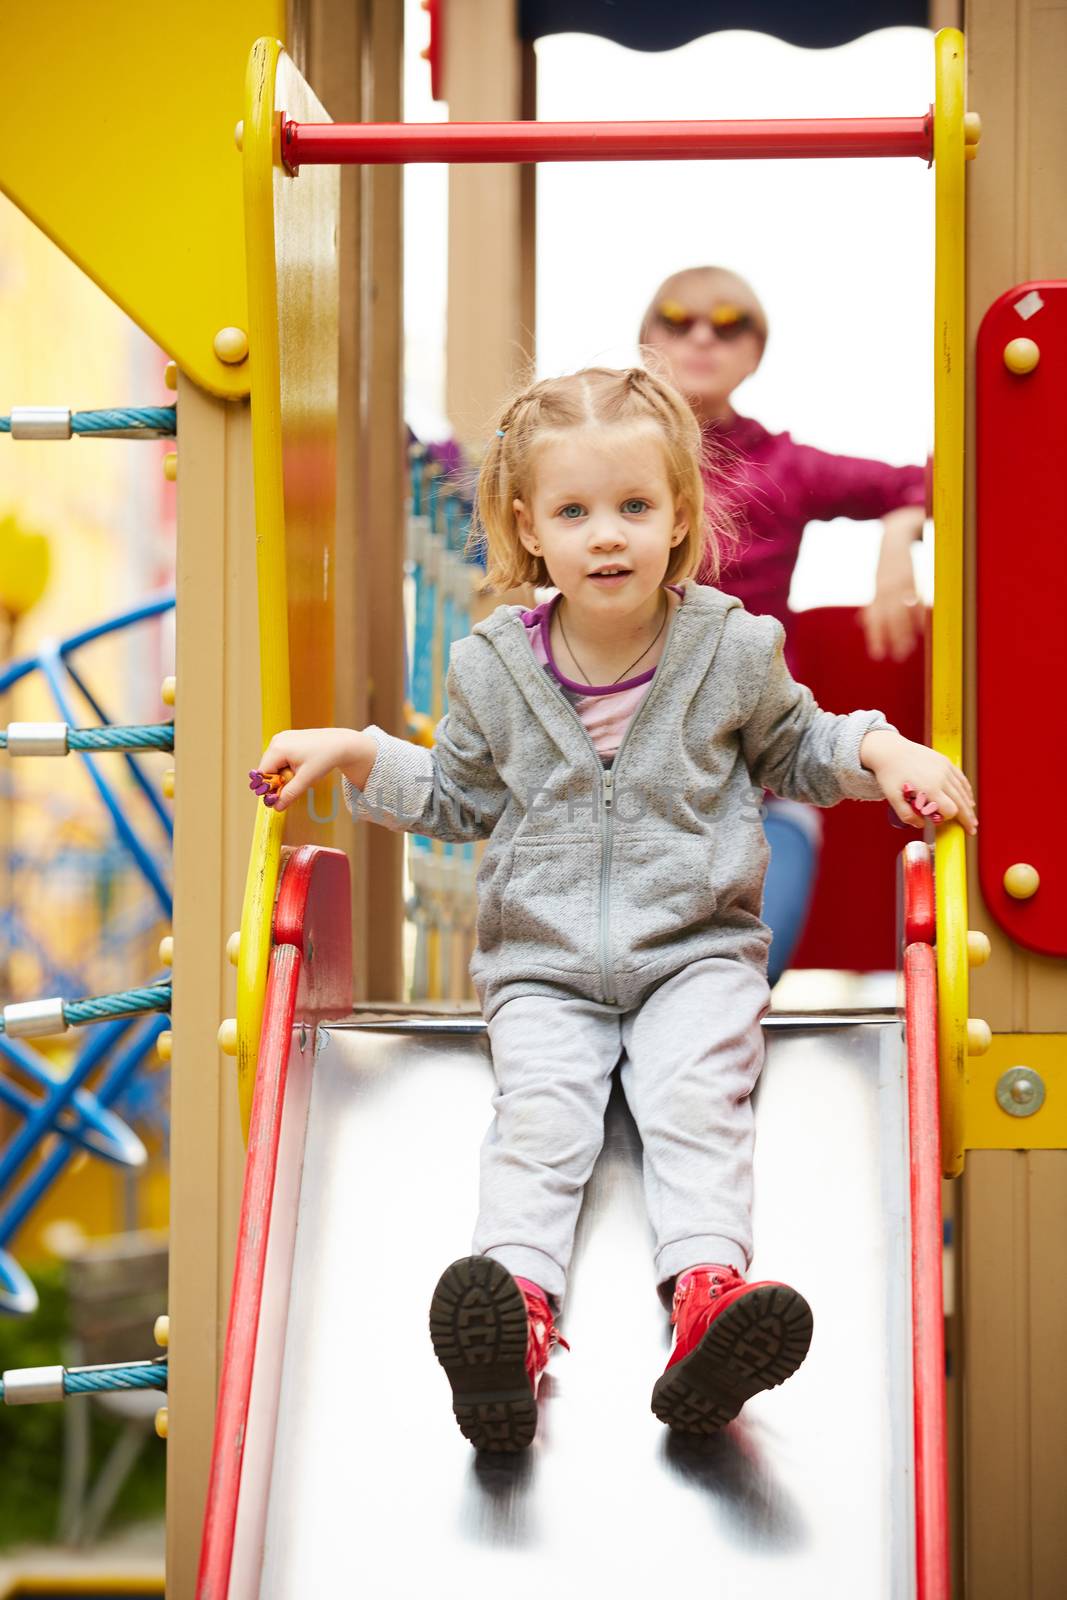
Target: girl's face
704, 342
602, 516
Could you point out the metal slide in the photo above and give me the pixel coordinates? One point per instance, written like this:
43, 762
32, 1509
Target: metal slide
355, 1479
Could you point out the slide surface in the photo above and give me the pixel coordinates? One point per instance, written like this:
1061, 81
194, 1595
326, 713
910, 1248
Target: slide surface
355, 1478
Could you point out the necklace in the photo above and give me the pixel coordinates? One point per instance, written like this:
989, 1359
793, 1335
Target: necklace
633, 663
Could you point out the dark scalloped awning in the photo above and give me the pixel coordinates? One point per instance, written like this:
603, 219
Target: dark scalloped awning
652, 25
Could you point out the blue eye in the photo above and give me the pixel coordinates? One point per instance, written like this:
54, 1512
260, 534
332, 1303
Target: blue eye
572, 512
634, 508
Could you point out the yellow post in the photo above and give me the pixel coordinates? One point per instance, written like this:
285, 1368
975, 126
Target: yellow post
291, 230
947, 672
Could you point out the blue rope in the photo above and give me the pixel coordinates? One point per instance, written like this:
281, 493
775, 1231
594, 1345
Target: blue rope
126, 1003
122, 422
134, 1375
151, 736
98, 1380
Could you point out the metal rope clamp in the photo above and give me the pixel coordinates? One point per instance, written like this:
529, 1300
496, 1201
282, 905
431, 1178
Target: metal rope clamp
37, 738
40, 422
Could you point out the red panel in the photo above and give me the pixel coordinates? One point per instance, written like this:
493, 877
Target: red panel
853, 919
928, 1327
310, 979
1022, 624
367, 143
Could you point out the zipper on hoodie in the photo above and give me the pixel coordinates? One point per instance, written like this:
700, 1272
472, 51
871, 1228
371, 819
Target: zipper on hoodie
607, 814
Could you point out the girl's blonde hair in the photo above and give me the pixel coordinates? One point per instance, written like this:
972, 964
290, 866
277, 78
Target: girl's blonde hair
595, 397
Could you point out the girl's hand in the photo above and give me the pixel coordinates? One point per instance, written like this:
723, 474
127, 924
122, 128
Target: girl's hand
919, 784
303, 756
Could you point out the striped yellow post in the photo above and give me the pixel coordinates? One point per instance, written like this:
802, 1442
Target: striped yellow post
291, 233
947, 680
259, 152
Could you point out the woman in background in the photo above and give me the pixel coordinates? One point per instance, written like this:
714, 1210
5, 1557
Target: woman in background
705, 331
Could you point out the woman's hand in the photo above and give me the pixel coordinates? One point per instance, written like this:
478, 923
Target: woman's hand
308, 755
919, 784
893, 622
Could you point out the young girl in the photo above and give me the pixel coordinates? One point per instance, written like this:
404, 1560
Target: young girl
611, 746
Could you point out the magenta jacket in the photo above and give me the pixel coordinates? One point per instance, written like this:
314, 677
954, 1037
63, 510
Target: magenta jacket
778, 488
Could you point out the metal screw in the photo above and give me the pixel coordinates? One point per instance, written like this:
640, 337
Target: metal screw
1020, 1091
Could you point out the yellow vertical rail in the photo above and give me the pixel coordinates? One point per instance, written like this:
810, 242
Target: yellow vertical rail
259, 147
947, 670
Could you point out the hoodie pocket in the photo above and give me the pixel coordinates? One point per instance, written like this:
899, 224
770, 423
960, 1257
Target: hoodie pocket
661, 892
551, 905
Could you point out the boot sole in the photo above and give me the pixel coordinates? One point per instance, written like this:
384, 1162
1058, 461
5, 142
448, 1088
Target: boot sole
756, 1343
479, 1330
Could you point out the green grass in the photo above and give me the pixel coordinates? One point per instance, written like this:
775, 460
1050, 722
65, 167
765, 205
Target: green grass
31, 1437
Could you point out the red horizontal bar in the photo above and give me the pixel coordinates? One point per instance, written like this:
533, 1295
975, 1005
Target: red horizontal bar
377, 143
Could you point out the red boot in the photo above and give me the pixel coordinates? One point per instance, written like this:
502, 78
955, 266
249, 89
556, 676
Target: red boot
493, 1334
732, 1339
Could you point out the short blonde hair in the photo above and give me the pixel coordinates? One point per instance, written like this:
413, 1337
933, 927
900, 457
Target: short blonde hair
729, 285
601, 397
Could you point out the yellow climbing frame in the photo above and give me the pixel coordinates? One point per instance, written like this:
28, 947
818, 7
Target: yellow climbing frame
947, 669
290, 265
118, 118
291, 231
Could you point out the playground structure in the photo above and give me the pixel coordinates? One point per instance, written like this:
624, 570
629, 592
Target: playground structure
1015, 1179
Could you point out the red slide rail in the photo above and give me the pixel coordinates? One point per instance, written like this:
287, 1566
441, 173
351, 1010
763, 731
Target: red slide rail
933, 1581
310, 980
377, 143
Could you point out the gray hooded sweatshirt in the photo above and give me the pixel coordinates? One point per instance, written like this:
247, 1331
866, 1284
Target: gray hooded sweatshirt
602, 881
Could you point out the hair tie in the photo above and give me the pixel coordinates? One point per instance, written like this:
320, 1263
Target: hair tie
500, 432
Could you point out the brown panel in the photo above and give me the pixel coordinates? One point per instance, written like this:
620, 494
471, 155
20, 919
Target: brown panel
333, 34
490, 282
352, 56
218, 701
1047, 1197
384, 466
1013, 1206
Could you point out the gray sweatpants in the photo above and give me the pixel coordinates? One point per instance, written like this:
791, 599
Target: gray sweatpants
691, 1054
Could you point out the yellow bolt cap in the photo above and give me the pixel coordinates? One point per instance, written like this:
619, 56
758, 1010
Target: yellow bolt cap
1021, 356
170, 374
979, 1036
168, 691
979, 948
168, 783
164, 1044
972, 127
231, 346
170, 466
166, 950
161, 1332
227, 1037
1022, 880
162, 1421
239, 134
233, 948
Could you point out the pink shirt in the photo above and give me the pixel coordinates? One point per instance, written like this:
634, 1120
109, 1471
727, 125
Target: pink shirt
777, 488
605, 711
